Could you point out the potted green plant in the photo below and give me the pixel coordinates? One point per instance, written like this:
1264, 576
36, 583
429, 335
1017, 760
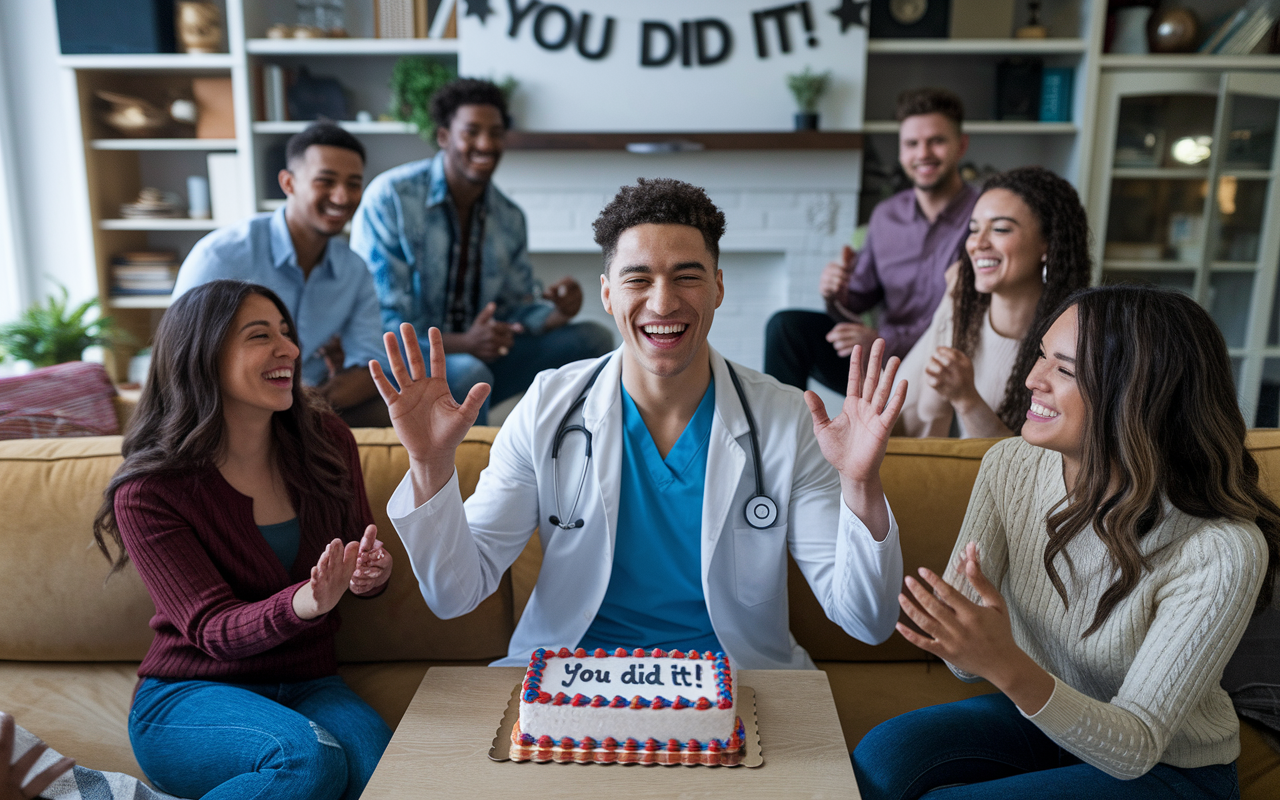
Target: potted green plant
413, 80
50, 333
808, 87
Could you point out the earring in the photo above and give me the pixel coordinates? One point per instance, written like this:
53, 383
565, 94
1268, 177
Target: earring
1044, 271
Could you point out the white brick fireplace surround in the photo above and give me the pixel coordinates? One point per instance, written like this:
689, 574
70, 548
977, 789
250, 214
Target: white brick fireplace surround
788, 212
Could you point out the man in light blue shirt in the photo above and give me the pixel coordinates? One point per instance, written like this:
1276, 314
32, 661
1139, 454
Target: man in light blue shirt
296, 253
448, 250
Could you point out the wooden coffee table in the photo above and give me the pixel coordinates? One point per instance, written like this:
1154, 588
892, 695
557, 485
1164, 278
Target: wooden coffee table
441, 747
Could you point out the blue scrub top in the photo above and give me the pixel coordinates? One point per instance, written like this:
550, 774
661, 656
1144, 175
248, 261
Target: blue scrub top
655, 594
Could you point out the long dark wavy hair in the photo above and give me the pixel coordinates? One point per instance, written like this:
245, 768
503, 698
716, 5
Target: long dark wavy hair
1065, 229
1162, 422
178, 426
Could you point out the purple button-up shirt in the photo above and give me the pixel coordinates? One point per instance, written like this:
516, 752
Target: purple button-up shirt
904, 264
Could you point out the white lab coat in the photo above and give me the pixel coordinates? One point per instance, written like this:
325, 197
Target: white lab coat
459, 556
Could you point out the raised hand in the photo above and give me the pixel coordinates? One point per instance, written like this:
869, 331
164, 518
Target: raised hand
329, 579
835, 276
428, 421
11, 775
854, 442
373, 564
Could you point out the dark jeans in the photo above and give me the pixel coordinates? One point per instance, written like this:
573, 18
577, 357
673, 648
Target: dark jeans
984, 748
310, 740
796, 349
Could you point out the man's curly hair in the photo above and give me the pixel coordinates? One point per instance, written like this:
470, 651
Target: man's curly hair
466, 92
659, 201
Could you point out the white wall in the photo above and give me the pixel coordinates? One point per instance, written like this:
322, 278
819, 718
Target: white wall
45, 175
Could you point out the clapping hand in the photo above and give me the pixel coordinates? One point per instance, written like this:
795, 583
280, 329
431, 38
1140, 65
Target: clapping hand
428, 421
329, 580
974, 636
950, 373
373, 563
11, 786
333, 354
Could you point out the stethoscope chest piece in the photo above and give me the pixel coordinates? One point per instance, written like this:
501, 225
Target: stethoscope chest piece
761, 512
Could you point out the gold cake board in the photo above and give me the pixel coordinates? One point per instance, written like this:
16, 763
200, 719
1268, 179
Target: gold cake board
749, 755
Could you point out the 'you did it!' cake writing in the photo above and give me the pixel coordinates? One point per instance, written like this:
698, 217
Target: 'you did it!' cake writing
637, 706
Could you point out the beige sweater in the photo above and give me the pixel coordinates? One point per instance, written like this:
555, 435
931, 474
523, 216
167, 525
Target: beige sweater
1144, 688
925, 412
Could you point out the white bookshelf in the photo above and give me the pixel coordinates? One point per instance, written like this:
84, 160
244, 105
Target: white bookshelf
351, 47
165, 224
140, 301
977, 46
165, 144
363, 128
149, 61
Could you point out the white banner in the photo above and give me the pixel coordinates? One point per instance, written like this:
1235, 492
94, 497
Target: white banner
666, 65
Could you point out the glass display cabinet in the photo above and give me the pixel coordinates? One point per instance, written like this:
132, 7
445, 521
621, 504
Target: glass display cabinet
1184, 196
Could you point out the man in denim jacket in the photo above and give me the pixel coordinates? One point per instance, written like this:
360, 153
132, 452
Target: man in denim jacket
447, 249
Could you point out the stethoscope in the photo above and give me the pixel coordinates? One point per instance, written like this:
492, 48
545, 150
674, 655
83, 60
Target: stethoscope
761, 512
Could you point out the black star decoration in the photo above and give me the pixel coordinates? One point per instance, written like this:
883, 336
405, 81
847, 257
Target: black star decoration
850, 13
482, 9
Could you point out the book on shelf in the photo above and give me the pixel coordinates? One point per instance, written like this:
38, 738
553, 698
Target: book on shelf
444, 24
226, 194
1244, 30
393, 19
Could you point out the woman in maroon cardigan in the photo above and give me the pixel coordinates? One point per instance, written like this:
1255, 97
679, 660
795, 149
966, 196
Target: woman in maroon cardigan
242, 504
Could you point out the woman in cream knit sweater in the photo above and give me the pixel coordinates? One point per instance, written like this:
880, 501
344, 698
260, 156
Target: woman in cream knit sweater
1105, 571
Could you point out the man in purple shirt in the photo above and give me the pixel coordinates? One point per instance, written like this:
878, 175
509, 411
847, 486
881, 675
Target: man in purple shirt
913, 238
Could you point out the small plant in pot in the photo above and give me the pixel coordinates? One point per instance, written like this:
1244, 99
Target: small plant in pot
413, 80
808, 87
49, 333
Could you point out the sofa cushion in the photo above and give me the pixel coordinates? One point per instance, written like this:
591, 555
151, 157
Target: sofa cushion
48, 562
397, 625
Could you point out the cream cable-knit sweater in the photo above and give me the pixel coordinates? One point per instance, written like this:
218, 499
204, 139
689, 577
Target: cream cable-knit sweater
1144, 688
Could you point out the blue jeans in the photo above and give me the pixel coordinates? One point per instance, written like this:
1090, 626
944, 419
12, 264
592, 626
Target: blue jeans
984, 748
514, 372
232, 741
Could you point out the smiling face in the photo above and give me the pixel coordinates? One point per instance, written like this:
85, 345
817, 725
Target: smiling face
1005, 243
257, 361
1056, 419
662, 288
930, 147
324, 187
472, 143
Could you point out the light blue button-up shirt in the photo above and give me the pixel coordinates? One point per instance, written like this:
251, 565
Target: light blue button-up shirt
337, 299
405, 230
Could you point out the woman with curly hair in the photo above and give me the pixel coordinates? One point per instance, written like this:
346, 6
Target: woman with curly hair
1028, 248
1107, 567
242, 504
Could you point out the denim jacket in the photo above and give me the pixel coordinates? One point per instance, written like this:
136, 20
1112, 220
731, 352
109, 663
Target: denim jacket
405, 230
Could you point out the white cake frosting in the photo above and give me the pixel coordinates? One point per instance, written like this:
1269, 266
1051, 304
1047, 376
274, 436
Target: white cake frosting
629, 695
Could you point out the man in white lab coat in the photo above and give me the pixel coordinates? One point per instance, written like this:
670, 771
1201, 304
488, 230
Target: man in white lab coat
662, 523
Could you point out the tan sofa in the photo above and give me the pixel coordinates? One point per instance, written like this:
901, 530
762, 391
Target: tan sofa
70, 643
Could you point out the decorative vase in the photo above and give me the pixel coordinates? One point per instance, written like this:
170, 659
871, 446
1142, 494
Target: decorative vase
1131, 31
806, 121
1173, 30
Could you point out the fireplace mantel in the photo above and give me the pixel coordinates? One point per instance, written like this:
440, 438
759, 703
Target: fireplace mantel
685, 142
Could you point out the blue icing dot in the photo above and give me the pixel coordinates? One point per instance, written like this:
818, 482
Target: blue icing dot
531, 696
